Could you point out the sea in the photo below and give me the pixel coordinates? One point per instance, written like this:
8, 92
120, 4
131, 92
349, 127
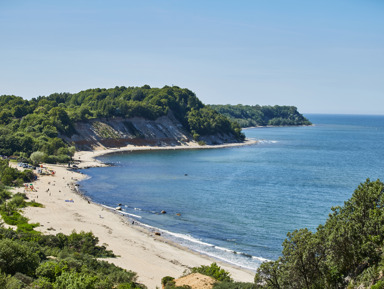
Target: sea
237, 204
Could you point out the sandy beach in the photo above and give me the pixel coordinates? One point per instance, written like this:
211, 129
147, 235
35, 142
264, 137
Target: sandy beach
139, 250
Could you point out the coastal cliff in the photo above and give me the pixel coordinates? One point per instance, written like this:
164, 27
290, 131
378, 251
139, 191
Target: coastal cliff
119, 132
53, 127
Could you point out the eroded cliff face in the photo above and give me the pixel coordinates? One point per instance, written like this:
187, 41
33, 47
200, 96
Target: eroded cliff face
119, 132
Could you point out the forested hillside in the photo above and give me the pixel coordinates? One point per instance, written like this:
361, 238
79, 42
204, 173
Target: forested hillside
39, 124
247, 115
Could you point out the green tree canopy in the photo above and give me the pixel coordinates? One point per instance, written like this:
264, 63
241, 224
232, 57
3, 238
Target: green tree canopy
256, 115
350, 244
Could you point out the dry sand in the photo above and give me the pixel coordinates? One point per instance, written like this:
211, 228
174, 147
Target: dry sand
141, 251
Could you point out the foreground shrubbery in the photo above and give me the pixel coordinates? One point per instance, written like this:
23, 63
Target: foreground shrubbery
12, 176
346, 251
29, 259
60, 261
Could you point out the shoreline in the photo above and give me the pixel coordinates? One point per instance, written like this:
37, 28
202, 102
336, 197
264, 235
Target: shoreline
87, 159
139, 249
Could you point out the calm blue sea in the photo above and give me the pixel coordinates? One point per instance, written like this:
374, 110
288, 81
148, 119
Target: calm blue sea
237, 204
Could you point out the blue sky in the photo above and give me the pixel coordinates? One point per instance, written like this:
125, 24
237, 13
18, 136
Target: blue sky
321, 56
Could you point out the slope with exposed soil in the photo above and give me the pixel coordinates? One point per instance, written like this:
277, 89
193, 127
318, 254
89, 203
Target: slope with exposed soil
120, 132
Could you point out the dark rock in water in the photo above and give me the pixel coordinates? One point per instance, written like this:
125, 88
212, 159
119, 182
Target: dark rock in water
163, 212
119, 204
186, 175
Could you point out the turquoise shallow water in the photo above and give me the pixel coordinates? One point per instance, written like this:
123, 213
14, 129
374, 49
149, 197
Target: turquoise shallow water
237, 204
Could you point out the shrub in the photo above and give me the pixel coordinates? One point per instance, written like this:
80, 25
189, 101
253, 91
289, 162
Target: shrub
49, 270
63, 158
214, 271
167, 279
23, 278
25, 227
38, 157
234, 285
130, 285
27, 176
13, 218
378, 285
18, 200
35, 204
51, 159
4, 195
7, 180
17, 257
75, 280
42, 283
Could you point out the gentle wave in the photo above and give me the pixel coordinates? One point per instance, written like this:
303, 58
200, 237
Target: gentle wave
121, 212
264, 141
231, 257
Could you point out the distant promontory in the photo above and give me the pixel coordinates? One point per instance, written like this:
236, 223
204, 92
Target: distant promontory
54, 126
256, 115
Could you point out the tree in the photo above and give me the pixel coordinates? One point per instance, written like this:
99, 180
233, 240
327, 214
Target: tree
17, 257
38, 157
74, 280
268, 275
302, 256
350, 243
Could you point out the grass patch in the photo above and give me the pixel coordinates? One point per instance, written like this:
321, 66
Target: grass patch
26, 227
14, 218
35, 204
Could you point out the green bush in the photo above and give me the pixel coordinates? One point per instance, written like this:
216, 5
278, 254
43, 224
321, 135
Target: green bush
214, 271
74, 280
234, 285
7, 180
38, 157
34, 204
27, 176
167, 279
17, 257
18, 201
26, 227
13, 218
51, 159
42, 283
131, 285
23, 278
49, 270
4, 195
378, 285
